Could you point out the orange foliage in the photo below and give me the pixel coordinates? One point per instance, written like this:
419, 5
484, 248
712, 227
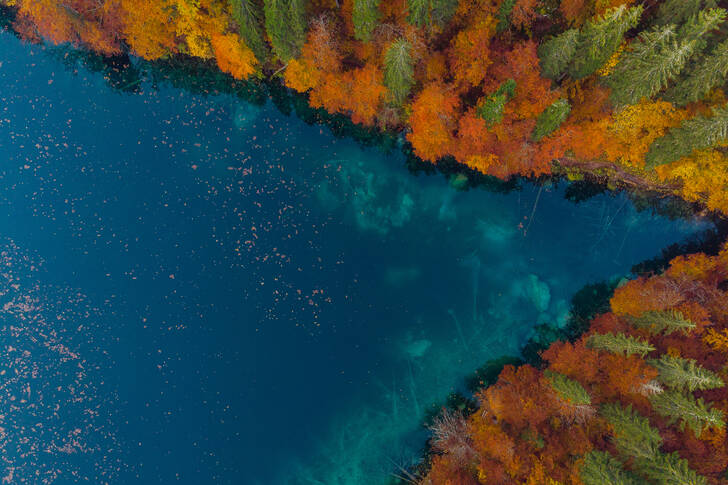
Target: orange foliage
469, 54
233, 56
433, 118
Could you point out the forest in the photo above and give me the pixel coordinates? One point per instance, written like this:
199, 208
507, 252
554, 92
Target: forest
626, 89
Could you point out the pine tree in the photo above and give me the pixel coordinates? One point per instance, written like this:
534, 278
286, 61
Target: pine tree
600, 38
556, 53
568, 389
658, 56
285, 23
491, 107
551, 118
620, 344
601, 468
504, 15
248, 14
399, 73
670, 469
430, 13
690, 412
633, 435
684, 374
665, 322
365, 18
709, 73
698, 133
678, 11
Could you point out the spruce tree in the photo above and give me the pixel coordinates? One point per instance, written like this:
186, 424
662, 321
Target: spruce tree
504, 15
670, 469
633, 435
556, 53
491, 107
620, 344
365, 18
601, 468
709, 73
551, 118
568, 389
698, 133
678, 11
688, 411
658, 56
399, 71
684, 374
249, 15
666, 322
600, 38
285, 23
430, 13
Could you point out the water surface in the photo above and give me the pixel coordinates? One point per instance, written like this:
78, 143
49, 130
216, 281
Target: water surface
199, 290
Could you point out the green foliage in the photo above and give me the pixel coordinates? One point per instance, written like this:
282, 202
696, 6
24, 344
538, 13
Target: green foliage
670, 469
365, 18
698, 133
709, 73
666, 322
599, 39
491, 107
249, 15
690, 412
620, 344
658, 56
678, 11
399, 70
504, 15
551, 118
684, 374
556, 53
633, 435
601, 468
285, 23
568, 389
430, 13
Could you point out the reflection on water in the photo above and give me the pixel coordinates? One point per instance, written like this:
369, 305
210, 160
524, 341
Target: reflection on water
279, 306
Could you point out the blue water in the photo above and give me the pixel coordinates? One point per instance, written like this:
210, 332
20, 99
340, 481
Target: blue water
198, 290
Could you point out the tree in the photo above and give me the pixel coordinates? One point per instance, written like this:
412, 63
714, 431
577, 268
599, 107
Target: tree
678, 11
698, 133
491, 108
433, 119
249, 16
568, 389
399, 72
601, 468
285, 23
469, 53
633, 435
504, 14
600, 38
670, 469
232, 56
658, 56
620, 344
709, 73
365, 17
551, 118
690, 412
684, 374
665, 322
430, 13
557, 52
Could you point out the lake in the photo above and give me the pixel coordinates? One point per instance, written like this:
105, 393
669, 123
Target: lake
200, 290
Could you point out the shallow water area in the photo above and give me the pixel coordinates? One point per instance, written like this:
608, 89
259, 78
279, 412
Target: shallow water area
216, 292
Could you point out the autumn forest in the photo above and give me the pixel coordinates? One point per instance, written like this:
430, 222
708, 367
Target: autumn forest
632, 91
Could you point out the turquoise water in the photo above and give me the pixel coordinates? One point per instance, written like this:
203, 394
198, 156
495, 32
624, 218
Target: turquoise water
199, 290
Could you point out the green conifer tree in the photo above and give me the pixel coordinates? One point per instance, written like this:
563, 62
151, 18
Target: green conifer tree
551, 118
556, 53
666, 322
633, 435
430, 13
601, 468
285, 23
658, 56
600, 38
504, 15
568, 389
249, 15
670, 469
688, 411
684, 374
491, 107
399, 71
365, 18
698, 133
620, 344
709, 73
678, 11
